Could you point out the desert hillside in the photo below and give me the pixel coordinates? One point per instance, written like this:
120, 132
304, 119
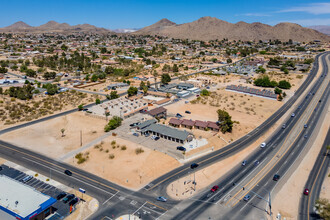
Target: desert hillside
210, 28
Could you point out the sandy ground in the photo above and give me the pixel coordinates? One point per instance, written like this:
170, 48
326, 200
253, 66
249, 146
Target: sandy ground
46, 137
249, 111
287, 199
2, 161
126, 168
325, 190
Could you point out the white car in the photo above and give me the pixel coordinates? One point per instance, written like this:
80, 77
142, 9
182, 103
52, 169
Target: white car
292, 115
263, 145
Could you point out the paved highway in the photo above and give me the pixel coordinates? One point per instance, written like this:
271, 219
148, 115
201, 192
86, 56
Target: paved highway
315, 181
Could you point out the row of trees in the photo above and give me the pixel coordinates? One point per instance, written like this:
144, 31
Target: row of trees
264, 81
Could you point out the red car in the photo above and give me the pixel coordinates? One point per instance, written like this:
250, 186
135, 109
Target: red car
214, 188
306, 192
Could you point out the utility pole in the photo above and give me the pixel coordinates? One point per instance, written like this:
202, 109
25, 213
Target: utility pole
80, 138
268, 201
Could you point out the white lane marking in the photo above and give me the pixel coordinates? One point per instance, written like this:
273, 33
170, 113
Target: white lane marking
204, 201
139, 208
71, 176
160, 216
110, 198
247, 203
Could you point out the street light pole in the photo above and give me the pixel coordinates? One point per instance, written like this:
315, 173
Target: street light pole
268, 201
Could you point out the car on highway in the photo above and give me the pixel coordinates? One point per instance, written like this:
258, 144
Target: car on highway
306, 192
181, 148
161, 198
187, 112
247, 198
292, 115
299, 107
68, 172
1, 168
256, 163
320, 100
194, 165
283, 126
276, 177
136, 134
68, 198
262, 145
305, 136
305, 126
73, 201
61, 196
244, 162
214, 188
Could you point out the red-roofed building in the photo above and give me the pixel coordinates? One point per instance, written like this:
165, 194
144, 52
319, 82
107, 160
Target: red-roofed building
200, 124
188, 123
213, 126
175, 122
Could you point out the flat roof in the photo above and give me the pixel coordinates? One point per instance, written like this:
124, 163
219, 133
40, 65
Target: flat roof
20, 198
168, 131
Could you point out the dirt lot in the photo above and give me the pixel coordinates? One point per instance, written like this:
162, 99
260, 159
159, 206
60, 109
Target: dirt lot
119, 163
46, 137
14, 111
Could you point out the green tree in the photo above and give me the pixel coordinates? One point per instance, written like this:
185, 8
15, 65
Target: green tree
175, 68
277, 91
142, 84
205, 92
148, 84
80, 107
51, 88
145, 89
97, 101
132, 91
229, 60
113, 123
113, 95
1, 90
31, 73
165, 78
225, 122
94, 78
283, 84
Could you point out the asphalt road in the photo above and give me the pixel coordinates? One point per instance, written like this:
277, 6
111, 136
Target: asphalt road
116, 200
314, 182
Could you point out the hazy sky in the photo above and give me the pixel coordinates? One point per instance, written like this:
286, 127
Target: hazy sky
135, 14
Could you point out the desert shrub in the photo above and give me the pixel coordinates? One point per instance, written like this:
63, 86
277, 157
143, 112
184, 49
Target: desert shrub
139, 150
111, 156
123, 147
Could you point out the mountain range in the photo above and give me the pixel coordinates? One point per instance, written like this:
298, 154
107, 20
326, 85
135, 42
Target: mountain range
325, 29
210, 28
205, 28
52, 26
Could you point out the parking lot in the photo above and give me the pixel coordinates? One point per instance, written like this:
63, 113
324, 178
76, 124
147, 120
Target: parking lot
166, 146
61, 209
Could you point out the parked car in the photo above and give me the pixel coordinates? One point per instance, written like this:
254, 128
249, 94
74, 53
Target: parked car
181, 148
306, 192
147, 135
134, 124
276, 177
244, 162
214, 188
61, 196
26, 179
194, 165
136, 134
187, 112
247, 198
262, 145
178, 115
68, 198
154, 137
161, 198
73, 201
68, 172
